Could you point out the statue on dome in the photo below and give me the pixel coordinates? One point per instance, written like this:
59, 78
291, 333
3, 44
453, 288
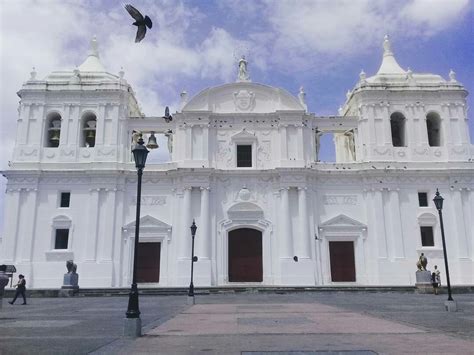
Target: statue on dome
243, 72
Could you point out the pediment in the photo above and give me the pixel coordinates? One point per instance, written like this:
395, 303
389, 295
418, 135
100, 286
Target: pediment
427, 219
150, 224
243, 135
244, 97
342, 221
61, 218
245, 211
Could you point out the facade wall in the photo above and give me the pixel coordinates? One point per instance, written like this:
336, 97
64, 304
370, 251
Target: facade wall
368, 197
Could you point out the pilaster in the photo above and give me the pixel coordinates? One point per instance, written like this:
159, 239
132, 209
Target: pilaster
285, 235
301, 242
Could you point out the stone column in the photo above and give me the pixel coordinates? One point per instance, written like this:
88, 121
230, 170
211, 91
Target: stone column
28, 238
470, 219
106, 241
379, 225
12, 215
420, 114
286, 245
283, 142
445, 125
203, 237
387, 129
185, 237
302, 245
100, 126
65, 118
23, 125
91, 238
189, 142
396, 226
458, 211
410, 127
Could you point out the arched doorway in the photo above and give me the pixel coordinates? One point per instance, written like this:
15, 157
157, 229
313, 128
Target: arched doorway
245, 255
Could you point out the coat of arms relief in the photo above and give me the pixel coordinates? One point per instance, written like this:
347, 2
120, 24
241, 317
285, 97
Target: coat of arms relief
244, 100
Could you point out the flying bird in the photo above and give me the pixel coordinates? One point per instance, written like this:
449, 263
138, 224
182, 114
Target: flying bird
168, 118
141, 22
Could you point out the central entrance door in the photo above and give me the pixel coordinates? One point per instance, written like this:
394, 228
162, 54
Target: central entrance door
148, 262
245, 255
342, 261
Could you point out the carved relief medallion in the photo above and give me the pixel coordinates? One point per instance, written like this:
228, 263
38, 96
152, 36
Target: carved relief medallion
244, 100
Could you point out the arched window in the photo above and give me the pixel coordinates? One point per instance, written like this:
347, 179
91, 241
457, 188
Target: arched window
397, 124
88, 130
433, 126
53, 130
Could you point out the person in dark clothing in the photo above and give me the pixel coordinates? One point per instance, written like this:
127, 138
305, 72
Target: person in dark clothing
20, 289
434, 282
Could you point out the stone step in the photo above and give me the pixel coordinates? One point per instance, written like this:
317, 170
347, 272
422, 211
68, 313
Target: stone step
175, 291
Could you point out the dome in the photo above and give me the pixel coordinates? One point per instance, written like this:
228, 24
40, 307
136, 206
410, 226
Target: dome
243, 97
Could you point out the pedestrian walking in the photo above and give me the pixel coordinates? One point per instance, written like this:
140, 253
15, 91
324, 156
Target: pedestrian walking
435, 279
20, 289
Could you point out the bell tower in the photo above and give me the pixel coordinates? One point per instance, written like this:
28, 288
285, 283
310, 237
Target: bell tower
407, 116
74, 116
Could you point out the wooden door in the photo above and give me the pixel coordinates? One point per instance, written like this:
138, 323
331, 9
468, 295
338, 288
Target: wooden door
342, 261
245, 255
148, 262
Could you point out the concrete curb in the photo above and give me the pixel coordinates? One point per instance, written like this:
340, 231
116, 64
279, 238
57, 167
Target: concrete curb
176, 291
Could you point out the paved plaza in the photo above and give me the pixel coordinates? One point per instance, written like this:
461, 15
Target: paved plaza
248, 323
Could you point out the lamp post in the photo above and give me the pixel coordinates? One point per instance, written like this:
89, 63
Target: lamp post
133, 322
193, 259
438, 200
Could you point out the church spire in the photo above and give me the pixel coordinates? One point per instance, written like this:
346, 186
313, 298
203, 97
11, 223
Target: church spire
389, 63
92, 62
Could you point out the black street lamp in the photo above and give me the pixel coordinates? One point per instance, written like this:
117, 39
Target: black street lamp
139, 154
193, 259
438, 200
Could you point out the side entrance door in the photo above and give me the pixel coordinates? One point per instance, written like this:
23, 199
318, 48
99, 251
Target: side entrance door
148, 262
341, 255
245, 255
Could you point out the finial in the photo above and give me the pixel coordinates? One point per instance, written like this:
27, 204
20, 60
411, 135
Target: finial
302, 98
121, 73
452, 76
243, 74
340, 111
387, 47
362, 75
33, 74
184, 98
409, 74
93, 49
348, 94
389, 64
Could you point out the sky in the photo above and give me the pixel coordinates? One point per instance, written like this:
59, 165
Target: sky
321, 45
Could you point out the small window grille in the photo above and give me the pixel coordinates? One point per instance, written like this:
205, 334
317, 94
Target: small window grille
65, 199
423, 199
244, 156
62, 239
427, 239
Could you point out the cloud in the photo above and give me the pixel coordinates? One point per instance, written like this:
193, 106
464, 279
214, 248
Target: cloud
303, 34
432, 16
195, 45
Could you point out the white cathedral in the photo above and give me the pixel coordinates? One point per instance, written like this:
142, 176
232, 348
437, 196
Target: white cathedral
244, 165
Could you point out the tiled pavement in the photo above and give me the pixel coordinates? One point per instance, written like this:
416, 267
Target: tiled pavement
250, 324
